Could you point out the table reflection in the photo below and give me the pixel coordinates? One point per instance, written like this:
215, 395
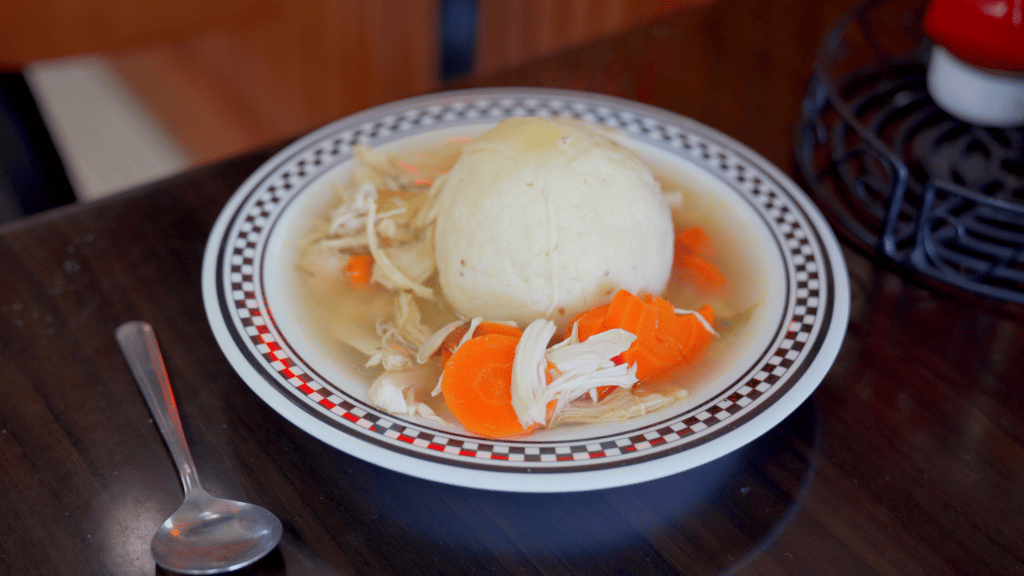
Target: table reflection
755, 490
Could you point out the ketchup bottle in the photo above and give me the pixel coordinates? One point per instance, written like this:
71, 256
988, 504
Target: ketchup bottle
976, 69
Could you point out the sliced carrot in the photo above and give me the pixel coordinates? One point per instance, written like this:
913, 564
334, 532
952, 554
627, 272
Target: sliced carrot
640, 317
693, 240
702, 338
659, 349
707, 276
484, 328
663, 311
690, 335
692, 256
652, 357
629, 312
359, 270
590, 322
664, 339
477, 386
683, 332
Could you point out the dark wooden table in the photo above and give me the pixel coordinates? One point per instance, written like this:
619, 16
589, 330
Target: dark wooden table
909, 458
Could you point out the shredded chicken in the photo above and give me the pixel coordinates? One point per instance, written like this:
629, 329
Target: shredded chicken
529, 373
385, 271
402, 393
620, 405
584, 366
579, 369
433, 343
409, 321
465, 337
703, 321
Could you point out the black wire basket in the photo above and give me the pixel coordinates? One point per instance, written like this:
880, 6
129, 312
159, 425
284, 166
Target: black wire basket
898, 176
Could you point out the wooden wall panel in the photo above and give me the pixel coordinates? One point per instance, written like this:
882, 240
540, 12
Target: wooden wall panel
41, 29
513, 31
230, 89
226, 76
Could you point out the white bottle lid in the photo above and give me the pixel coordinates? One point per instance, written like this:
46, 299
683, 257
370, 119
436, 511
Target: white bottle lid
980, 96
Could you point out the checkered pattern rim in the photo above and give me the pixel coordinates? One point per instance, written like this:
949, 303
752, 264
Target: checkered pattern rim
781, 365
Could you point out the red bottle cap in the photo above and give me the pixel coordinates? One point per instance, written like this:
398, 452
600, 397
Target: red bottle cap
986, 33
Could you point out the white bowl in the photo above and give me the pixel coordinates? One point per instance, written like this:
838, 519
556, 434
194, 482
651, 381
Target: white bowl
254, 312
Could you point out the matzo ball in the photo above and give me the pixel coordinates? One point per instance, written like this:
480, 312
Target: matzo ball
545, 218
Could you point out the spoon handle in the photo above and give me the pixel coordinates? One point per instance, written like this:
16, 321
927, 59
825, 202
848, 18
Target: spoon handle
140, 348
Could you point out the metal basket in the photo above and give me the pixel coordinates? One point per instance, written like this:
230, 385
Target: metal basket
898, 176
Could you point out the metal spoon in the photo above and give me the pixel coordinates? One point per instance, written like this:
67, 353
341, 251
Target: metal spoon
206, 535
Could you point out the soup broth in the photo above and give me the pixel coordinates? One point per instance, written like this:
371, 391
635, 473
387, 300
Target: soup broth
344, 320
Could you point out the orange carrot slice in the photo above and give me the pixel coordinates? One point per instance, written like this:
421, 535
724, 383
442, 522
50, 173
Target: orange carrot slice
477, 386
590, 322
451, 341
652, 357
664, 312
693, 240
706, 275
701, 338
486, 328
628, 312
664, 339
658, 349
683, 332
640, 317
359, 270
691, 255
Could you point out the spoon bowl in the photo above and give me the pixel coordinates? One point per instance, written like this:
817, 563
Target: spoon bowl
209, 534
205, 535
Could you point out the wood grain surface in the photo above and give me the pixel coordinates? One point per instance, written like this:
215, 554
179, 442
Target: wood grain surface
907, 460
